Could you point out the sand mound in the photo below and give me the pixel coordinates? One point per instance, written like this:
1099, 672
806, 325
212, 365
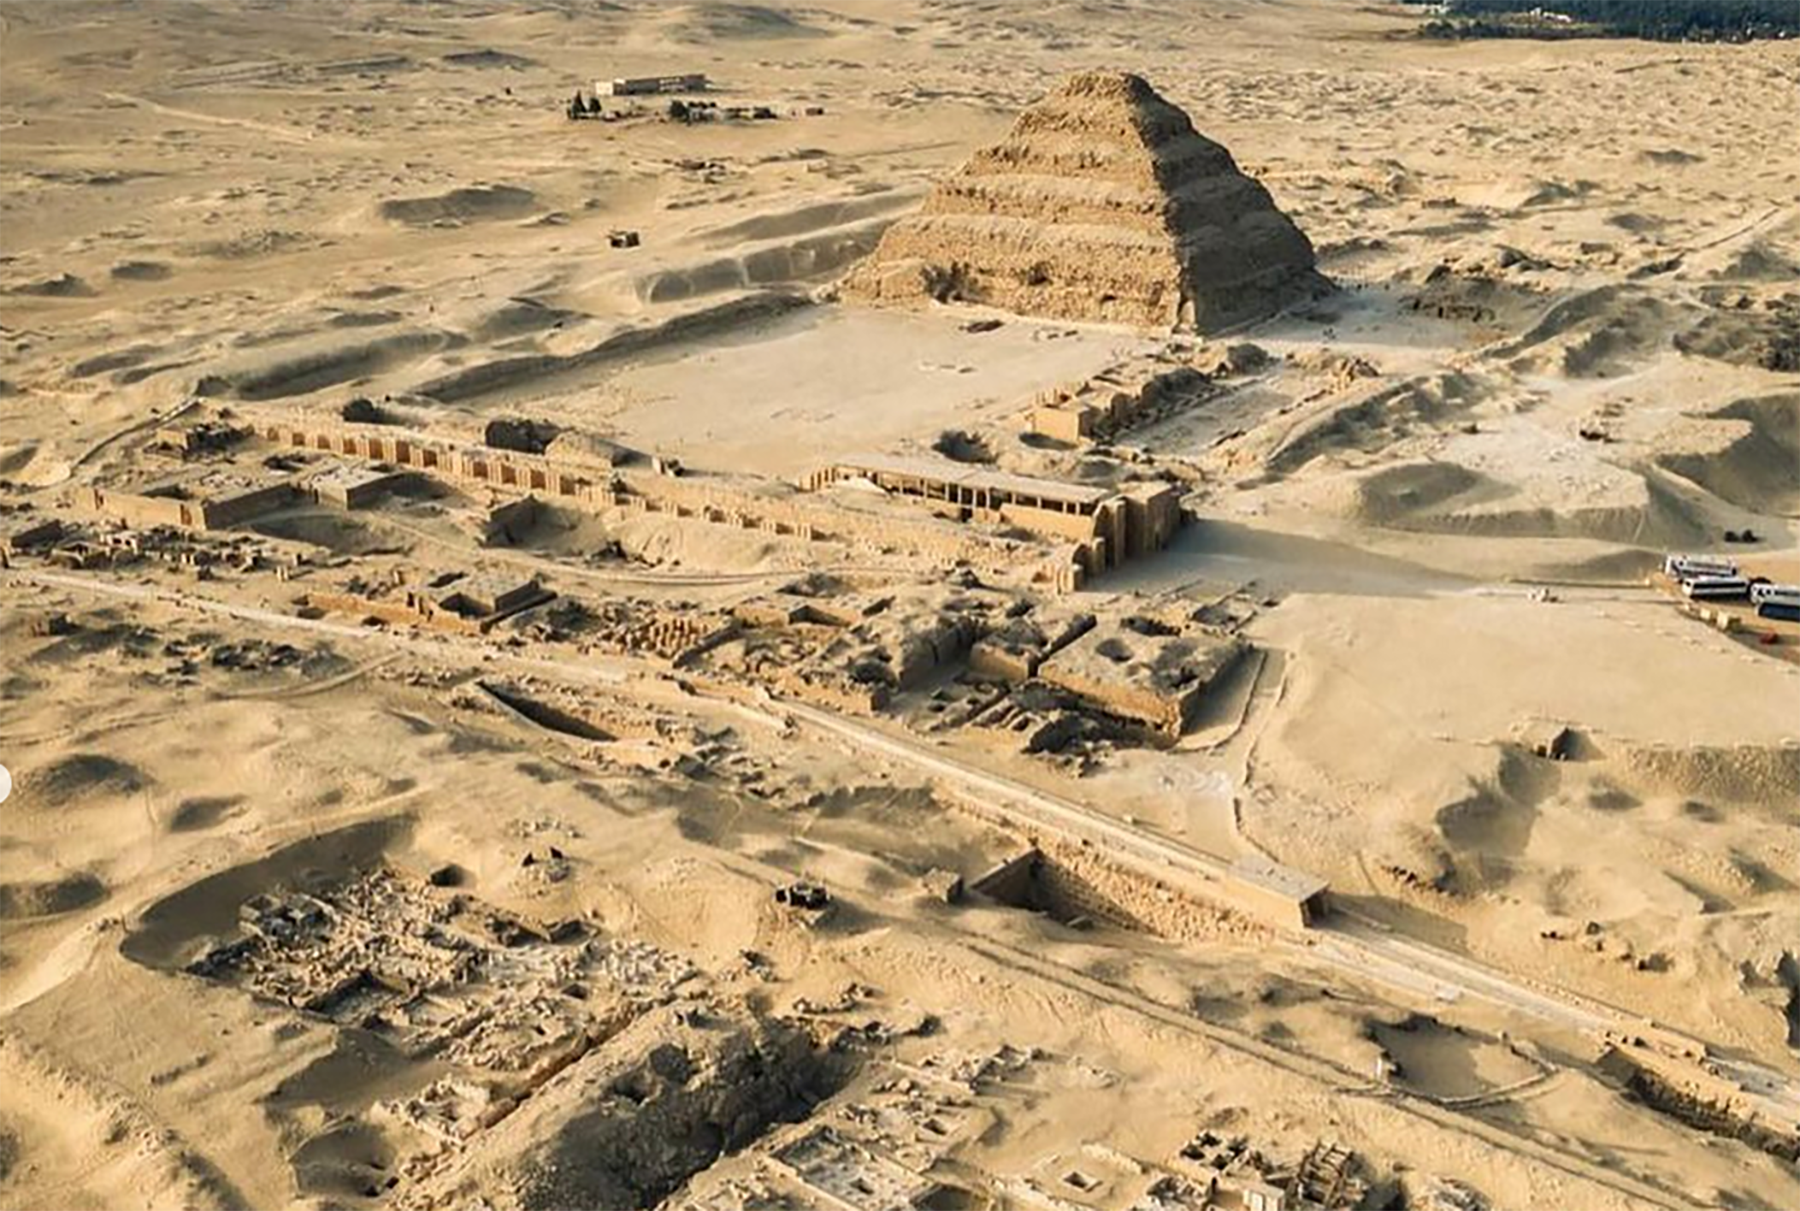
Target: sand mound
1583, 892
1371, 416
49, 897
363, 319
117, 359
173, 926
813, 257
316, 364
1409, 491
337, 533
1758, 467
1517, 193
141, 271
559, 531
1487, 832
488, 59
1479, 292
733, 23
1504, 484
1758, 262
194, 815
508, 373
1103, 203
1599, 333
1669, 157
961, 446
1624, 567
62, 286
337, 1164
248, 245
15, 459
804, 220
1741, 774
518, 317
1415, 858
471, 204
1747, 331
68, 780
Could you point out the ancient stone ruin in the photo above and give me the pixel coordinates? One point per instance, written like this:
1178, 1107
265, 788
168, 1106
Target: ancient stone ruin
1103, 203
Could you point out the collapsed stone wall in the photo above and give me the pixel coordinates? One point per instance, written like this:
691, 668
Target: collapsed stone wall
1115, 401
1102, 203
1076, 875
1163, 689
1690, 1094
631, 1120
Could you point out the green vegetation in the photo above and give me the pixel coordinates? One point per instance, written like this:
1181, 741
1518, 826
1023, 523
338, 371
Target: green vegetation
1660, 20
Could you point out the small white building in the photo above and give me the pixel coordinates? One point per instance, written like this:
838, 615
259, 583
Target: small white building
642, 86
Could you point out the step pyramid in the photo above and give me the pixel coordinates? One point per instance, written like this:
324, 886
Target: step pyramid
1102, 203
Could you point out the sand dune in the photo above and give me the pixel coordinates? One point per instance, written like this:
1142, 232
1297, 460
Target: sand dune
469, 204
50, 897
718, 22
1754, 463
290, 370
81, 778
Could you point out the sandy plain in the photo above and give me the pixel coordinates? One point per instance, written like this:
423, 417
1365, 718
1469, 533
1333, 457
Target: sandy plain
282, 207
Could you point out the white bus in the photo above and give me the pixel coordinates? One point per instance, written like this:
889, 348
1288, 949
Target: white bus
1686, 567
1789, 594
1715, 586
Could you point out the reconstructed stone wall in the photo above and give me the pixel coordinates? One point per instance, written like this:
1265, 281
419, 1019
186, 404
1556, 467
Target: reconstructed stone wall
698, 498
133, 509
398, 612
242, 506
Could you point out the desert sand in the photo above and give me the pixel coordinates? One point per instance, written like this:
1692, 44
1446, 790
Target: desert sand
1177, 614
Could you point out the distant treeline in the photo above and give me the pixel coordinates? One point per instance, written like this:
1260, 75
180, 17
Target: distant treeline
1661, 20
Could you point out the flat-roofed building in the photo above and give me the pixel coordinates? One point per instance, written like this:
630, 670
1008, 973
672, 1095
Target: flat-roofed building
352, 487
212, 500
491, 593
1280, 895
1138, 669
641, 86
1114, 523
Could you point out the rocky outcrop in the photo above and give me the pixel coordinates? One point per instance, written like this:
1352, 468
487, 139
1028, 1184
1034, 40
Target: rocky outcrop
1103, 203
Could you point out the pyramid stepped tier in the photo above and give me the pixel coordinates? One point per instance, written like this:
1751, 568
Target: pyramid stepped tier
1102, 203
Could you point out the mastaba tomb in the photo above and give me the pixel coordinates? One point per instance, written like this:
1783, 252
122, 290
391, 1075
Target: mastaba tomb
1102, 203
